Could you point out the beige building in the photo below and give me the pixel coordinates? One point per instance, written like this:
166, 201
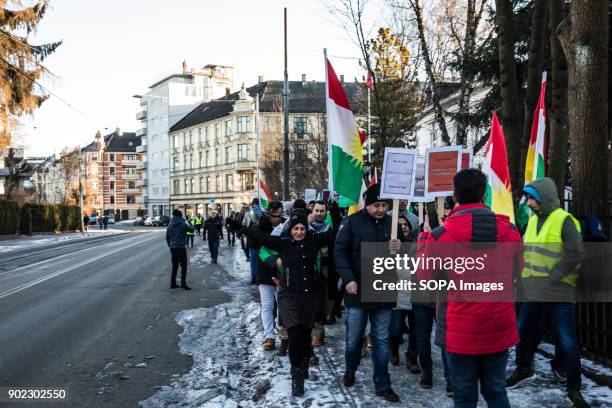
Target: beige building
213, 149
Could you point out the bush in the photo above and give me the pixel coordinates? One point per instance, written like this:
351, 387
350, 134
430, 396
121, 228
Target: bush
49, 218
9, 217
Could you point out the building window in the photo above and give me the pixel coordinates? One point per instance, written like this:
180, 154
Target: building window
228, 154
175, 141
164, 190
217, 156
191, 161
218, 185
207, 158
111, 171
247, 181
112, 185
130, 199
200, 160
244, 124
186, 190
164, 154
111, 157
112, 199
229, 182
176, 187
217, 131
176, 164
129, 157
190, 138
228, 128
206, 134
185, 162
200, 135
207, 183
155, 191
299, 127
202, 185
244, 152
300, 153
184, 138
130, 170
191, 186
130, 184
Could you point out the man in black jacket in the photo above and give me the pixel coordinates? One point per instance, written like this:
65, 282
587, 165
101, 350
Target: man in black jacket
176, 238
214, 227
372, 224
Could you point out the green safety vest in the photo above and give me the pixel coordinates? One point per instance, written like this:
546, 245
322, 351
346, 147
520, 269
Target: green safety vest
544, 249
191, 234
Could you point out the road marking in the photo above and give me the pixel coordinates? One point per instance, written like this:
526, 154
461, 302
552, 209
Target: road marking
70, 268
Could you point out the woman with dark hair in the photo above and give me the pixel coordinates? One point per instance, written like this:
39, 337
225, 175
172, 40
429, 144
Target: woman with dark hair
300, 293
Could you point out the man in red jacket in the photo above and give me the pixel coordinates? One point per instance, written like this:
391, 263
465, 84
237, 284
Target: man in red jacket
480, 324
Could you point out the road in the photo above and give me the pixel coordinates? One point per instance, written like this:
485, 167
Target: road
82, 315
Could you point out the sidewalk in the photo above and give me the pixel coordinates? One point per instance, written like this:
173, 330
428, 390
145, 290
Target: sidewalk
230, 368
9, 243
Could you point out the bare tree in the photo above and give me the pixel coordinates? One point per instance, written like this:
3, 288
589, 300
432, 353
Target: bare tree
584, 36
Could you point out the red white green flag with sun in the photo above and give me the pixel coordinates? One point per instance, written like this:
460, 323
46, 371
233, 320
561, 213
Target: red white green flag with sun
344, 139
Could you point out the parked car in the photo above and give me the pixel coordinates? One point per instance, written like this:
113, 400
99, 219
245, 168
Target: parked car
93, 219
148, 221
110, 219
161, 221
139, 221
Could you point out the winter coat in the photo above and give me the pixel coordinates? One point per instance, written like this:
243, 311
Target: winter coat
355, 229
265, 270
552, 287
214, 227
299, 258
475, 327
176, 232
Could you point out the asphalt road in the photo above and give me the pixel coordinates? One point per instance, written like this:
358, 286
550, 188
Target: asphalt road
81, 316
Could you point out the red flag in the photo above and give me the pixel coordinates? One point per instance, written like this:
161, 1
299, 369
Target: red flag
370, 81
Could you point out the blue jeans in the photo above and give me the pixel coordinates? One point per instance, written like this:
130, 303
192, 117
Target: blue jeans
468, 370
380, 321
398, 319
424, 318
447, 377
253, 254
562, 317
213, 246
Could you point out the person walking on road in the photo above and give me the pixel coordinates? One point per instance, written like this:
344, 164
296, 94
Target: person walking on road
190, 234
105, 221
176, 238
86, 223
100, 221
198, 224
250, 221
213, 231
299, 297
553, 254
372, 224
231, 231
478, 330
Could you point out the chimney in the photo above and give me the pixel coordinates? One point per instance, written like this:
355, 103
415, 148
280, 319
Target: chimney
342, 78
303, 79
227, 92
184, 67
260, 79
118, 131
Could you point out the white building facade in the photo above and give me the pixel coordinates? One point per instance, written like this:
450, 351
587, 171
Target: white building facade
166, 102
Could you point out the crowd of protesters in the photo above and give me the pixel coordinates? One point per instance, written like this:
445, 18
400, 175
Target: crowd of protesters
306, 260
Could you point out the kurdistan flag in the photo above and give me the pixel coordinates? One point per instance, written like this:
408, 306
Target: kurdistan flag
535, 163
264, 194
499, 189
344, 141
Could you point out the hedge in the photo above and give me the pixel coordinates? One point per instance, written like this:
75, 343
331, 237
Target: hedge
45, 217
9, 217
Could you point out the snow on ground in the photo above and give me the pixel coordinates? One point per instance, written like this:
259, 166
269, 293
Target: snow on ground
23, 241
230, 368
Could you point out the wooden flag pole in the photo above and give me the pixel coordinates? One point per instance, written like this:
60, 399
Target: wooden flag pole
394, 220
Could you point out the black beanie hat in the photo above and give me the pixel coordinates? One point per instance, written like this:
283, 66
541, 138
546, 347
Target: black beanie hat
298, 218
372, 194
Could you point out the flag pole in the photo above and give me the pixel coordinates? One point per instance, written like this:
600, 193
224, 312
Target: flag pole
286, 135
257, 144
330, 181
369, 130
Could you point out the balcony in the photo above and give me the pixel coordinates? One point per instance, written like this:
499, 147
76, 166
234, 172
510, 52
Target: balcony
245, 165
131, 177
142, 148
141, 132
141, 182
140, 200
130, 190
141, 165
129, 162
142, 115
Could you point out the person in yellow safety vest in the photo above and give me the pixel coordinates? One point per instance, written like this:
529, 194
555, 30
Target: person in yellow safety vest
553, 256
197, 222
190, 234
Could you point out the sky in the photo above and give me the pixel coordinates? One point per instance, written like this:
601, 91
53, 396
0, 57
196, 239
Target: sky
115, 49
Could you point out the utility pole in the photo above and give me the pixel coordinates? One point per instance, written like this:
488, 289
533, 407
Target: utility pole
286, 146
81, 193
257, 141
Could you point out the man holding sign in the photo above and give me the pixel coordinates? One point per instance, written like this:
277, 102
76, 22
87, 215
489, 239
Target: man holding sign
372, 224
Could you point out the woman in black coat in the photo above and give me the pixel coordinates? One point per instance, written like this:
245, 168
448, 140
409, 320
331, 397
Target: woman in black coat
300, 294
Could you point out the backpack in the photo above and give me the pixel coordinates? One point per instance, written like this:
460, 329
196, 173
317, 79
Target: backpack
592, 230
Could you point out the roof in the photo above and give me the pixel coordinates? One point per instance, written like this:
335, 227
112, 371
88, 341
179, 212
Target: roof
188, 76
117, 142
304, 97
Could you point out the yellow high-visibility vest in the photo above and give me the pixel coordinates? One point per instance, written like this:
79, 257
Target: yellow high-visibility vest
544, 249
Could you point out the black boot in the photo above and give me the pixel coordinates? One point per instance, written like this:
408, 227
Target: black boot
297, 381
305, 366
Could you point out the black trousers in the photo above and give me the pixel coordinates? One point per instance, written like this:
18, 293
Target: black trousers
300, 344
179, 257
